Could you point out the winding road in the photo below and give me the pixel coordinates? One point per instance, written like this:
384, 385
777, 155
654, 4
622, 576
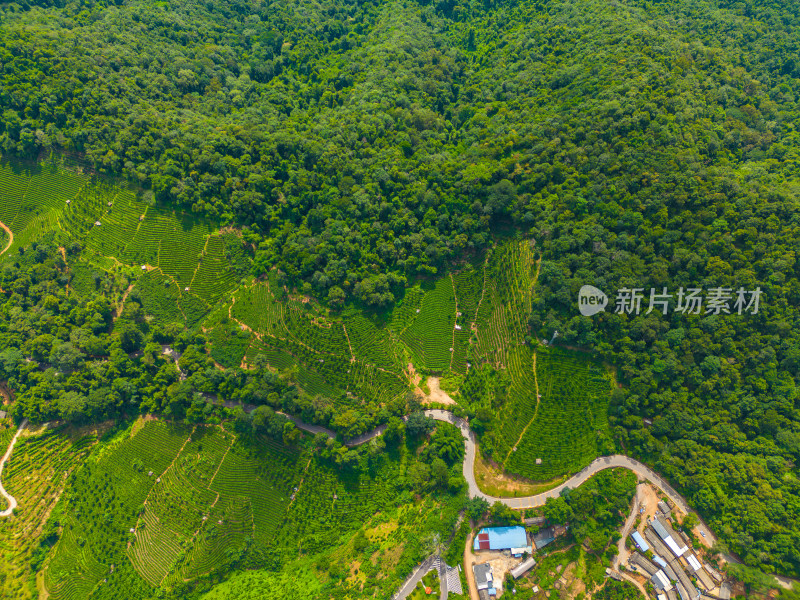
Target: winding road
12, 502
522, 502
471, 445
604, 462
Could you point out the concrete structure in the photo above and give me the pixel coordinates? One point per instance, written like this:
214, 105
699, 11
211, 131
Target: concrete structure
725, 591
483, 575
523, 568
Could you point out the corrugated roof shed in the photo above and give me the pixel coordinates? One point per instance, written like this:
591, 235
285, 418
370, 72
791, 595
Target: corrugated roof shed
523, 568
705, 579
501, 538
683, 578
672, 595
660, 581
639, 541
659, 528
714, 573
671, 573
659, 561
676, 549
693, 562
658, 546
682, 592
645, 564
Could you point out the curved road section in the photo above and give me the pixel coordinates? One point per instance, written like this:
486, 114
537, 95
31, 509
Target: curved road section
12, 502
605, 462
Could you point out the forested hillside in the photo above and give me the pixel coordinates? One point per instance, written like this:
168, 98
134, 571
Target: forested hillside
404, 163
388, 137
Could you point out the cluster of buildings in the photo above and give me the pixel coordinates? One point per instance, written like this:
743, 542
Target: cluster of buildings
664, 556
514, 542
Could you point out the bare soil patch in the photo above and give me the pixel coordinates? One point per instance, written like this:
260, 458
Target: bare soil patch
437, 395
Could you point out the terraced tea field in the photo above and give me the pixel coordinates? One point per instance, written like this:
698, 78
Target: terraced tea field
571, 416
35, 475
104, 500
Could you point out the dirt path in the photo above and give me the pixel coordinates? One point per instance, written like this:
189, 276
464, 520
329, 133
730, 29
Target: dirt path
469, 560
622, 555
10, 238
121, 304
12, 502
535, 412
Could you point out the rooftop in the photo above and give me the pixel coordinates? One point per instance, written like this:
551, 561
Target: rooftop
501, 538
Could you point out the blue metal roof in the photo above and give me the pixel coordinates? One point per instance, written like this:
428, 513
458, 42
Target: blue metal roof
501, 538
639, 540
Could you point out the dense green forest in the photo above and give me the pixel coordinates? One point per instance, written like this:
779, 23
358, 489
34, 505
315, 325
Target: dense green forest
361, 149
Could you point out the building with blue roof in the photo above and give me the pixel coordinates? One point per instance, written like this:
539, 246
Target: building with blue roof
639, 541
502, 538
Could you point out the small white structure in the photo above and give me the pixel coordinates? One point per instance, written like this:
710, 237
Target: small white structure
97, 223
458, 326
693, 562
186, 289
144, 267
538, 461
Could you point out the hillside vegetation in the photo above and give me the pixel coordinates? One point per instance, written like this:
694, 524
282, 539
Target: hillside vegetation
332, 190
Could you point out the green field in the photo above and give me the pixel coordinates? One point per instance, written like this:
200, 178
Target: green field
185, 272
36, 475
571, 419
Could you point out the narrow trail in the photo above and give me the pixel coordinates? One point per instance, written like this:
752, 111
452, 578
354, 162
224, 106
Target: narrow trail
535, 412
10, 238
12, 502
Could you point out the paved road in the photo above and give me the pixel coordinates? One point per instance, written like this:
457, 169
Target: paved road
415, 577
12, 502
